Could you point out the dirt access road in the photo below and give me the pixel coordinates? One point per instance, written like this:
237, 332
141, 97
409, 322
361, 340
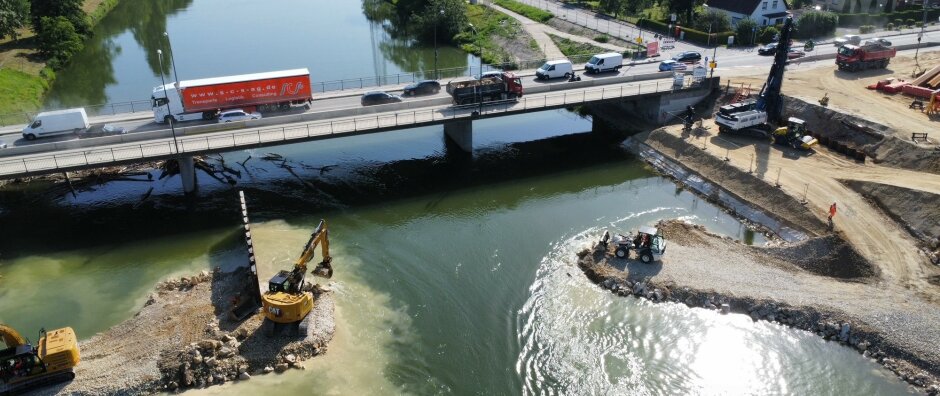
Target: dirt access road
818, 175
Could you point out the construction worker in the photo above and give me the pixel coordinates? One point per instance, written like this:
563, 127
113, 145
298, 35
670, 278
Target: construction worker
832, 213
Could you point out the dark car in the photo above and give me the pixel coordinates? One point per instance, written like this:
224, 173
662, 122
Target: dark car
688, 57
768, 49
795, 53
379, 97
879, 41
425, 87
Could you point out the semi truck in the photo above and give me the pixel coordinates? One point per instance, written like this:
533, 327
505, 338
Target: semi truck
506, 86
50, 123
871, 56
204, 99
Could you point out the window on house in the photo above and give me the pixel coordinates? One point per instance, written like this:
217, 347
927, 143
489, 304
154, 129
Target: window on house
774, 5
764, 7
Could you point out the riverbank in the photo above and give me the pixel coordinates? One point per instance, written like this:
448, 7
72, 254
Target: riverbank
24, 76
181, 339
881, 301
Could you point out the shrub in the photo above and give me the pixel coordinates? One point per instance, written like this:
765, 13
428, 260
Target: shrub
533, 13
909, 22
866, 29
889, 26
919, 24
744, 31
815, 24
602, 38
766, 34
714, 20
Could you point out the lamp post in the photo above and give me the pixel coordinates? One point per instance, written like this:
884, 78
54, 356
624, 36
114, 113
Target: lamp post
479, 99
172, 59
169, 117
436, 22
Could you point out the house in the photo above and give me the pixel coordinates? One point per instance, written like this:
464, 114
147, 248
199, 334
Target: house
764, 12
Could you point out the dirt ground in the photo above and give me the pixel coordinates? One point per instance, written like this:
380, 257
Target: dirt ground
847, 93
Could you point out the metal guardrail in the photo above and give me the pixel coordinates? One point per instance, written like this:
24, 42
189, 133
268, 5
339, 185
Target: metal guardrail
218, 142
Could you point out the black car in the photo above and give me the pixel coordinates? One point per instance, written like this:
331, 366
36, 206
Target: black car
379, 97
768, 49
425, 87
688, 57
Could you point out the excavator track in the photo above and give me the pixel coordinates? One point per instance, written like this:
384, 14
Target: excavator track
39, 381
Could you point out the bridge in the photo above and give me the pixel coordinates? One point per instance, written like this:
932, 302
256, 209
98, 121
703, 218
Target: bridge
80, 154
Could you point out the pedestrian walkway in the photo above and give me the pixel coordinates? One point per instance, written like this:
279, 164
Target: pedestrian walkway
540, 32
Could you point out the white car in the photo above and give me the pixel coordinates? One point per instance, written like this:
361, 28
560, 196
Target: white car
238, 115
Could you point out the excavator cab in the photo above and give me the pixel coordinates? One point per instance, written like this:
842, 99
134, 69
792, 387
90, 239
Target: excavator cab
280, 282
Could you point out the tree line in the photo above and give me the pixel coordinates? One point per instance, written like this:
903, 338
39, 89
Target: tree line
60, 26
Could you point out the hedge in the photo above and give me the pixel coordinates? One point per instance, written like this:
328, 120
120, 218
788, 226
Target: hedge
856, 20
691, 35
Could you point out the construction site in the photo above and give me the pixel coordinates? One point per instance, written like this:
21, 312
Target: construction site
842, 167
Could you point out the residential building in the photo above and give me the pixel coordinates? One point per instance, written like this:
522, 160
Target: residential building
764, 12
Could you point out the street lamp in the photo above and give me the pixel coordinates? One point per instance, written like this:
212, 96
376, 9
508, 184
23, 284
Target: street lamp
172, 59
480, 99
167, 98
436, 22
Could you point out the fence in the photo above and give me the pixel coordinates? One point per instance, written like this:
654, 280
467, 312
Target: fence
287, 134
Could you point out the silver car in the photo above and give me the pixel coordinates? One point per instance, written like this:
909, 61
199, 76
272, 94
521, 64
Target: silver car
238, 115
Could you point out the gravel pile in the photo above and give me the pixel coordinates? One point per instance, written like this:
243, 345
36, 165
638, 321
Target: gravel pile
827, 255
181, 338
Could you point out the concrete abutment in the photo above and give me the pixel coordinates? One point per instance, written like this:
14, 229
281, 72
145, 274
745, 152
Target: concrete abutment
460, 132
187, 173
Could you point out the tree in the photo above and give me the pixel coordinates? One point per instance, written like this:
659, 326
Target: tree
816, 24
686, 7
767, 34
70, 9
712, 20
13, 16
58, 40
448, 25
745, 33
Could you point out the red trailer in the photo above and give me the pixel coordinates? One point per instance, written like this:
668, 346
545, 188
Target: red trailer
203, 98
873, 56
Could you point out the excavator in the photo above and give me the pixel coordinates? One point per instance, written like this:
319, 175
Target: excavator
794, 135
286, 304
24, 367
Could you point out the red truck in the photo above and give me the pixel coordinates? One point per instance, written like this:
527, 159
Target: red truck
204, 98
873, 56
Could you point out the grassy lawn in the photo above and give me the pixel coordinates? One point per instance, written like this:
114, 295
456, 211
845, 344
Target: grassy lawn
533, 13
20, 92
571, 48
488, 23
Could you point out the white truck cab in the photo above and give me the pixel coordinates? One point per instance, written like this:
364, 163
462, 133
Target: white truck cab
555, 69
600, 63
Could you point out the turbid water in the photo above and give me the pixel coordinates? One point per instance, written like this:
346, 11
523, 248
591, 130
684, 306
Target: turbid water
465, 284
453, 275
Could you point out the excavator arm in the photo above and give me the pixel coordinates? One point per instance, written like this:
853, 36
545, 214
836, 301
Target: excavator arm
11, 337
320, 237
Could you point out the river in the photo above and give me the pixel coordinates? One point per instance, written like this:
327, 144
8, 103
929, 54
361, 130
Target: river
453, 275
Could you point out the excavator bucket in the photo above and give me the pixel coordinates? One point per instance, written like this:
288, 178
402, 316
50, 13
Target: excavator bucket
324, 269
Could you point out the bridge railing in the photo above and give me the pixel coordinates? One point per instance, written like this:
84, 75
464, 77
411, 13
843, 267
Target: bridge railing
268, 136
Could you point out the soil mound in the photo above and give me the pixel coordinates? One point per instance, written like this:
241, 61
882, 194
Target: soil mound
902, 154
827, 255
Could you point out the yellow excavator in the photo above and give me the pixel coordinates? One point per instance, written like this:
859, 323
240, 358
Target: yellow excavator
286, 304
24, 367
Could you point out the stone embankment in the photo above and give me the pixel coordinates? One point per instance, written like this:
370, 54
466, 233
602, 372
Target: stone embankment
181, 338
625, 278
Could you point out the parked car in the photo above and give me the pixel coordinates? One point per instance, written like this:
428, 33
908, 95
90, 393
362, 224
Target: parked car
113, 129
795, 53
554, 69
672, 65
237, 115
853, 39
879, 41
768, 49
688, 57
425, 87
378, 97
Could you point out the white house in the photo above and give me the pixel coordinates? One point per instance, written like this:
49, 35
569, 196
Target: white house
764, 12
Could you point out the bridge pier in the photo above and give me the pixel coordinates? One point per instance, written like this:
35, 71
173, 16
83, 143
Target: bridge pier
460, 132
187, 173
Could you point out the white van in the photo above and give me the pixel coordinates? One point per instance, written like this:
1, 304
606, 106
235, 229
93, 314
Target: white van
57, 123
599, 63
554, 69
